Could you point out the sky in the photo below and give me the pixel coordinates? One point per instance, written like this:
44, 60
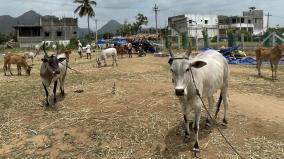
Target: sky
126, 10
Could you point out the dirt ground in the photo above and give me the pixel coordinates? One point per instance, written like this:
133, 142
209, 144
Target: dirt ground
130, 111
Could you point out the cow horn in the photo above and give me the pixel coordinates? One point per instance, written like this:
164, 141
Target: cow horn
43, 46
171, 53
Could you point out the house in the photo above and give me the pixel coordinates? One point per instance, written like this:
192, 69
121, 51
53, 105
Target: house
193, 25
46, 28
252, 21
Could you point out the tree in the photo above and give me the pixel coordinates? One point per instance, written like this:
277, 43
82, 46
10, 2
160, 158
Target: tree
85, 9
140, 20
125, 29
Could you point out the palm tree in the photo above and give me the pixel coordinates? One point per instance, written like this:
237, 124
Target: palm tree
85, 9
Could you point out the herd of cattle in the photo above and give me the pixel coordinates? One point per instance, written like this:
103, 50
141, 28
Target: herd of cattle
189, 74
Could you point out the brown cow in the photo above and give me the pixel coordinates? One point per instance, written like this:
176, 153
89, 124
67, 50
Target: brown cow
273, 55
19, 60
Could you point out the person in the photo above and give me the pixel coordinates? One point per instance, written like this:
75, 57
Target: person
129, 47
80, 49
88, 51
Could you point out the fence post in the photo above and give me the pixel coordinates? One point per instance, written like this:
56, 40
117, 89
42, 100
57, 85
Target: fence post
273, 39
242, 41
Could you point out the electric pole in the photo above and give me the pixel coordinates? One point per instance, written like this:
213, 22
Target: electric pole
268, 15
96, 20
156, 10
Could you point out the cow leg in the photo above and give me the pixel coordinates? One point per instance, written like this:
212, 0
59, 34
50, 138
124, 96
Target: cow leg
113, 60
272, 70
275, 71
210, 102
4, 69
186, 115
225, 102
54, 91
196, 150
105, 62
9, 68
62, 86
258, 67
46, 95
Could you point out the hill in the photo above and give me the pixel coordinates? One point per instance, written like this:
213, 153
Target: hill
7, 22
111, 27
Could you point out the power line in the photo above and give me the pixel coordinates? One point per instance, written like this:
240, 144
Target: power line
156, 10
268, 15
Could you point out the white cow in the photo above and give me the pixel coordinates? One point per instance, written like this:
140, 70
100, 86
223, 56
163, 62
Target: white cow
30, 55
110, 52
210, 72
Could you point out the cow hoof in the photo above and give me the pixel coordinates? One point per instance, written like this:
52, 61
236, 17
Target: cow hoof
196, 152
224, 123
45, 104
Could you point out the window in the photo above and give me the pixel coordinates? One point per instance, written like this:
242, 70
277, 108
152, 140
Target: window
242, 20
206, 21
59, 33
249, 21
46, 34
74, 32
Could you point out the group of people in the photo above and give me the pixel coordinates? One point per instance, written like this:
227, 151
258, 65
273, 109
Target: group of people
88, 49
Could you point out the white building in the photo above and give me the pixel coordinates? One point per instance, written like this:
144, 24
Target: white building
194, 25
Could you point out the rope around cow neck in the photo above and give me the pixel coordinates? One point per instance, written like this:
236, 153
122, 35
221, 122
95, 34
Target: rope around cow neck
227, 141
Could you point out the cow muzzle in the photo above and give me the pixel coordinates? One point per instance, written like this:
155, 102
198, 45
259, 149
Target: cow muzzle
179, 92
56, 72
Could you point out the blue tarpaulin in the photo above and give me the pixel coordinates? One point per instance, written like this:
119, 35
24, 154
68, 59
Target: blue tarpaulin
248, 61
119, 41
244, 60
101, 41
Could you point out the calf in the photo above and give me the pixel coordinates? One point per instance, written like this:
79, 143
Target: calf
18, 60
53, 68
273, 55
30, 55
207, 73
110, 52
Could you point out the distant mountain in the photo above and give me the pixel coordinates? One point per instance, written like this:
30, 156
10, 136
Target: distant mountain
111, 27
82, 32
7, 22
29, 18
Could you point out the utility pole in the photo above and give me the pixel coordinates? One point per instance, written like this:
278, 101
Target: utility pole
268, 15
156, 10
96, 20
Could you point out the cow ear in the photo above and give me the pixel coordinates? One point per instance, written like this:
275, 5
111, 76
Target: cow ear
198, 64
44, 60
61, 59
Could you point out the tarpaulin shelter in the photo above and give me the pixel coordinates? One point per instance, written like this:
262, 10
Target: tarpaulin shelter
101, 41
119, 41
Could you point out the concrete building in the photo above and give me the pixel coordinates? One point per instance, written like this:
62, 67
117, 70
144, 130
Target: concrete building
252, 21
47, 28
193, 25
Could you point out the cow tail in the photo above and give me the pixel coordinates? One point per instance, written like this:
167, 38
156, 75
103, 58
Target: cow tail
218, 104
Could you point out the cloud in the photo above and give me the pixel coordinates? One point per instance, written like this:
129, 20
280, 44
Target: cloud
127, 9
